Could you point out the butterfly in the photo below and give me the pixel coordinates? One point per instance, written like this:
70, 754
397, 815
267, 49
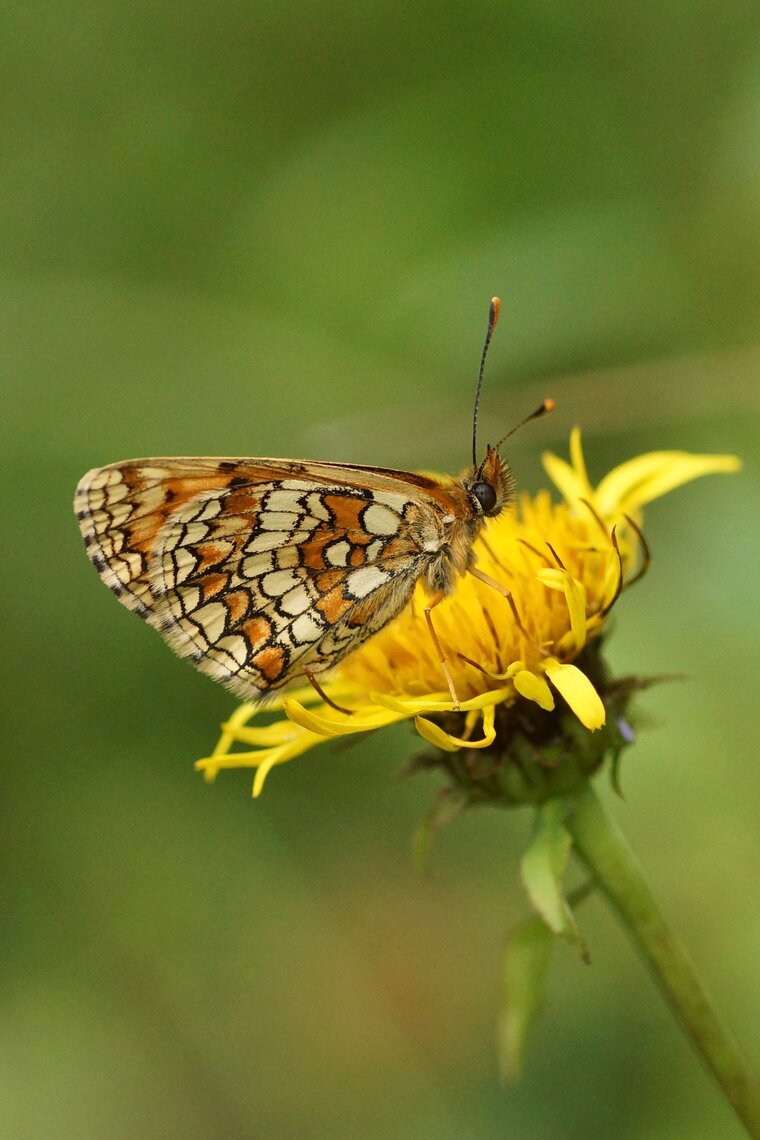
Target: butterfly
263, 572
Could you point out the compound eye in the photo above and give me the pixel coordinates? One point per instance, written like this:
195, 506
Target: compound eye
486, 496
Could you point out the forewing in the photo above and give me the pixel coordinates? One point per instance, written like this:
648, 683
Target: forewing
260, 570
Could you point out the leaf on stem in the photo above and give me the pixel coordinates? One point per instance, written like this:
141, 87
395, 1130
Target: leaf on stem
542, 869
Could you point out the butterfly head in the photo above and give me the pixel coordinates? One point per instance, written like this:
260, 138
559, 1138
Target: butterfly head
489, 486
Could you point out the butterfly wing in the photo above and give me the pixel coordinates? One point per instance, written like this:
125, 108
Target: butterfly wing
258, 569
122, 508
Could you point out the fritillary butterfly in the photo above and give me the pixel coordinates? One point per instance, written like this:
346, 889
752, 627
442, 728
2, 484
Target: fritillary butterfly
264, 572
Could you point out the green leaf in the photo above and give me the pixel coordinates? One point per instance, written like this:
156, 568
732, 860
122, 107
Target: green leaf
526, 962
542, 869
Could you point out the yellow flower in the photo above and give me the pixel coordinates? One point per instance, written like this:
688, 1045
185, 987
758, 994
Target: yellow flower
565, 565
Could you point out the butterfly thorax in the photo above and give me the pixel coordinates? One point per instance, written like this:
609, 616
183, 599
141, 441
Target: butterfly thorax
478, 494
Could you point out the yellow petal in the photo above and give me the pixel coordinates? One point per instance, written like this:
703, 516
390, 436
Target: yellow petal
411, 706
640, 480
564, 477
572, 481
576, 457
534, 688
435, 735
262, 772
264, 736
300, 742
551, 578
338, 724
579, 693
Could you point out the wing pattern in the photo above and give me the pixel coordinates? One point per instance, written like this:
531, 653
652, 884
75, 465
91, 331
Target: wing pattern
256, 570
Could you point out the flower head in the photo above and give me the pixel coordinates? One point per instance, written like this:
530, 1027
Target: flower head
526, 666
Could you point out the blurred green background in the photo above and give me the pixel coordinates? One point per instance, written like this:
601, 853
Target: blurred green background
263, 229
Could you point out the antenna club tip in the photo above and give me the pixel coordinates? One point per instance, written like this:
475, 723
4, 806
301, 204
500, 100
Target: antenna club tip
549, 404
494, 309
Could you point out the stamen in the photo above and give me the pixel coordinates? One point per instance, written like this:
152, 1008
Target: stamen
507, 595
620, 584
597, 516
328, 700
556, 557
539, 553
645, 553
481, 669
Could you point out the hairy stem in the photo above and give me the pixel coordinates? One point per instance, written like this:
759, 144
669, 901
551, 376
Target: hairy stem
603, 849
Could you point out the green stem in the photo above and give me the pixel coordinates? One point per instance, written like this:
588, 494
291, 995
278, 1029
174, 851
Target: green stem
603, 849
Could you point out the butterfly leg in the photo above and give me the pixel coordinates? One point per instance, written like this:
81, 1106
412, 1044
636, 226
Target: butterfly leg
321, 692
505, 593
441, 655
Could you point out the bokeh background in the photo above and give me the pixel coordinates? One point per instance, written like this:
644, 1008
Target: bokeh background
249, 228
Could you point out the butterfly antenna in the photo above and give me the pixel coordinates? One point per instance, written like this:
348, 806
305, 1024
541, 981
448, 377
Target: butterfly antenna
493, 315
548, 406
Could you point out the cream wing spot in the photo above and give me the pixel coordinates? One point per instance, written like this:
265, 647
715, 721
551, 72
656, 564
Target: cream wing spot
172, 540
388, 499
296, 602
185, 601
94, 499
210, 511
194, 532
305, 629
236, 647
134, 562
278, 520
379, 519
257, 564
283, 501
317, 508
151, 499
211, 619
117, 514
125, 566
338, 553
150, 473
366, 580
118, 492
179, 564
279, 582
295, 485
105, 477
265, 540
230, 527
286, 557
112, 544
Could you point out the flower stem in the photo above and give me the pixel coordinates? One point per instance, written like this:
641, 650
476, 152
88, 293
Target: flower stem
603, 849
